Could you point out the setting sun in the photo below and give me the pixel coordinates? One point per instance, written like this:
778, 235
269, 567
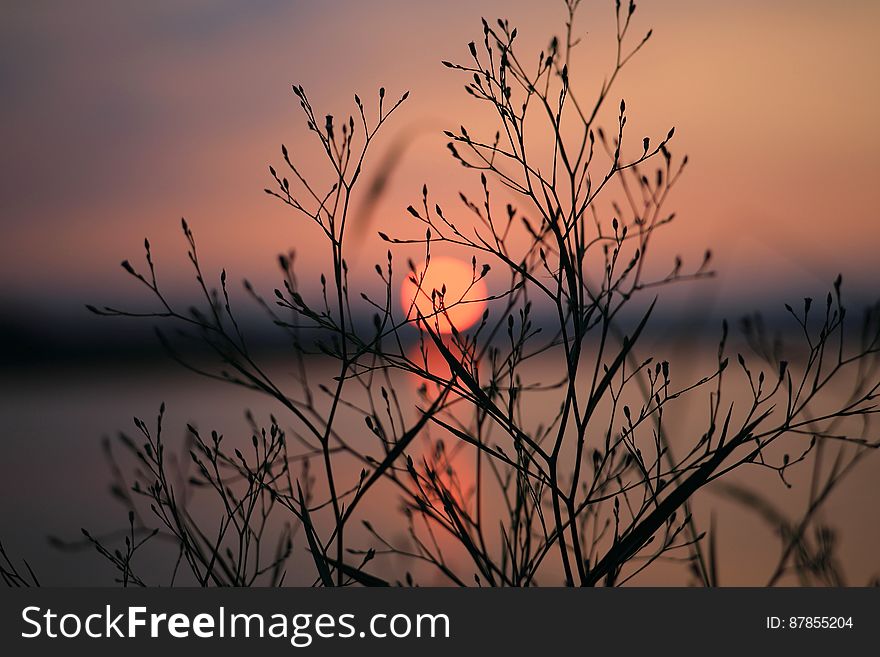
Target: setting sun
464, 300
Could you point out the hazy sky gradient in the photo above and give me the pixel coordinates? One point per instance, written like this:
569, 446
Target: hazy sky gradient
118, 118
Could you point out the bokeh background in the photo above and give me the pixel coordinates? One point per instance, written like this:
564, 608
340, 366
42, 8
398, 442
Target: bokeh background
117, 119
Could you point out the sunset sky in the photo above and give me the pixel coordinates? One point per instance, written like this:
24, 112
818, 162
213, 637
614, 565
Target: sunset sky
118, 119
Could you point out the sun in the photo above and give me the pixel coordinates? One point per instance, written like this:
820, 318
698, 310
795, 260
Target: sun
463, 301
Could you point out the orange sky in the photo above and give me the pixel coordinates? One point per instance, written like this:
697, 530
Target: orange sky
118, 120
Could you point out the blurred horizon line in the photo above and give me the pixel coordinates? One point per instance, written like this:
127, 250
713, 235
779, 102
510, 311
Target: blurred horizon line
38, 336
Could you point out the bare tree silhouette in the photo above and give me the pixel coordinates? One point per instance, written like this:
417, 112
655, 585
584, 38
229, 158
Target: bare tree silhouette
596, 492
